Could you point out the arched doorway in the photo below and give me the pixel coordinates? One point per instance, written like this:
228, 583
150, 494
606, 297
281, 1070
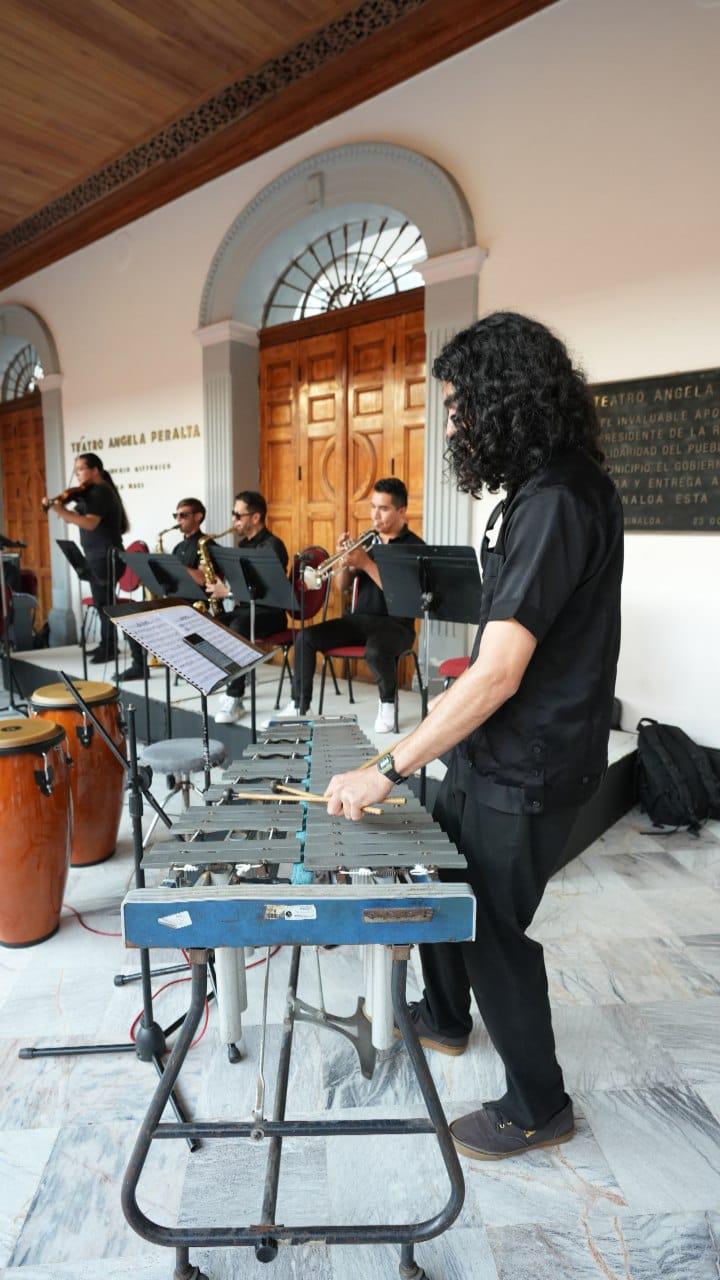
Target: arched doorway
359, 181
32, 413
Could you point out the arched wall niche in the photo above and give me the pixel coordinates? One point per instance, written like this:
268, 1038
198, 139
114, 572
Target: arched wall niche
18, 325
316, 195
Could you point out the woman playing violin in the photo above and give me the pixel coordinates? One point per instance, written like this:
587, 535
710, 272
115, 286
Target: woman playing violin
101, 518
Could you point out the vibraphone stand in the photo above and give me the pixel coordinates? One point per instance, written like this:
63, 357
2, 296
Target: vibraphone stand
266, 1236
150, 1040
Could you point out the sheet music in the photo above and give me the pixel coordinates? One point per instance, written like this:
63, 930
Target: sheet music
161, 631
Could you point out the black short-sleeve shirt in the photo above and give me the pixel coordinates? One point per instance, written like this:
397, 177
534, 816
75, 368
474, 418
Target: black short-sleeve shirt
100, 500
370, 599
269, 542
557, 569
186, 549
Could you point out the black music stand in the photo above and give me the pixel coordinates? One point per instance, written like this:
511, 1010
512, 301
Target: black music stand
164, 576
150, 1043
226, 654
9, 674
437, 584
255, 577
116, 611
77, 561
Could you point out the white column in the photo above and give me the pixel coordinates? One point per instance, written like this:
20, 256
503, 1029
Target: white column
451, 303
63, 626
232, 416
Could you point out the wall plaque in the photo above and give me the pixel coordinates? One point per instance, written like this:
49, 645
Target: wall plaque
661, 439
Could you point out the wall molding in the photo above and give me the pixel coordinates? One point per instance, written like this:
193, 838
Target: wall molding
453, 266
227, 331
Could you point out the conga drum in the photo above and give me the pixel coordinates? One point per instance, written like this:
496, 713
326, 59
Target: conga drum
36, 808
96, 778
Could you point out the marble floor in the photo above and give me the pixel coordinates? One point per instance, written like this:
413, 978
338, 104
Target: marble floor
631, 932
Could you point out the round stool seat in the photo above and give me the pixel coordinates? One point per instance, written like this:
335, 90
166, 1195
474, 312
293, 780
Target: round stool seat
181, 755
451, 668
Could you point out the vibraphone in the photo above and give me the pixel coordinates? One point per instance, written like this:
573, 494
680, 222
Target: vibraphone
372, 883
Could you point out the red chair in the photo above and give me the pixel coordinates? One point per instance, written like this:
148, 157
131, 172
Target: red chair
128, 580
348, 652
451, 668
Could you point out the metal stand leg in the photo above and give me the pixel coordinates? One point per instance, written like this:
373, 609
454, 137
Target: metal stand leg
184, 1270
409, 1269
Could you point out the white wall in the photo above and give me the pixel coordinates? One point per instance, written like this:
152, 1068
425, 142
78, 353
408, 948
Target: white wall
585, 142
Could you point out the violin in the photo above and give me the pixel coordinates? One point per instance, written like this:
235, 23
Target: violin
67, 495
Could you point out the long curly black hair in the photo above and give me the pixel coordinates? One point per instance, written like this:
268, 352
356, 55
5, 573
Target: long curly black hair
516, 401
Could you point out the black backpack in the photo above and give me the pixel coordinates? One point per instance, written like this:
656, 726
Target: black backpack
677, 784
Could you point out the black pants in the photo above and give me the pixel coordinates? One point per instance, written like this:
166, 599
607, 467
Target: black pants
384, 639
102, 590
267, 622
510, 859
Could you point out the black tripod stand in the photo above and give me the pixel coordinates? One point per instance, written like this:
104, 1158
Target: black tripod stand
150, 1042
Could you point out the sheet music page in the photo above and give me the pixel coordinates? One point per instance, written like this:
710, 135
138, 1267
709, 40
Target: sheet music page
161, 631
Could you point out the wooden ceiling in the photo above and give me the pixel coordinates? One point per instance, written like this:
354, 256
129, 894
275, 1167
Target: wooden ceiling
110, 108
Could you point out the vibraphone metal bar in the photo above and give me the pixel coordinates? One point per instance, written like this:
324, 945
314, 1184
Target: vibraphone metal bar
234, 843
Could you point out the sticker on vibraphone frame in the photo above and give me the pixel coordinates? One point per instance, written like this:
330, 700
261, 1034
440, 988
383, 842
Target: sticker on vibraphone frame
179, 920
284, 911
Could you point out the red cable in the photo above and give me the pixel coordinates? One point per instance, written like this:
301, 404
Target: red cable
103, 933
174, 982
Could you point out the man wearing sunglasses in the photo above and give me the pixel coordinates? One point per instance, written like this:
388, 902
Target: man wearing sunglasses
189, 515
248, 514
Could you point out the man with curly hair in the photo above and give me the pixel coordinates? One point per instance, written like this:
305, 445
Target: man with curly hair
528, 723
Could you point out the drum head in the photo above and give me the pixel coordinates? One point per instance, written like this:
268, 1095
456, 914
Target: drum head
58, 696
29, 735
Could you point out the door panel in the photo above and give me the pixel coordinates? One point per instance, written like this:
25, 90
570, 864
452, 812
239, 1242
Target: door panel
340, 410
22, 455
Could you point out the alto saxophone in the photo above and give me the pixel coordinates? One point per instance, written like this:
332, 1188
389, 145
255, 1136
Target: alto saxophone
213, 607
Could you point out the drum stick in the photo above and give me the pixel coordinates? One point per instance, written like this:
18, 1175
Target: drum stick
311, 799
303, 795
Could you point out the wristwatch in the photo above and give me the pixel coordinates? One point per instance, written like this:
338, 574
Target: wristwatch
386, 765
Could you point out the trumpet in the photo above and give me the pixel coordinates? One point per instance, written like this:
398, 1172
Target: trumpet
315, 575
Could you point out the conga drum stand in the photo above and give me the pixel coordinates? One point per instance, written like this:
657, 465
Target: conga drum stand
150, 1041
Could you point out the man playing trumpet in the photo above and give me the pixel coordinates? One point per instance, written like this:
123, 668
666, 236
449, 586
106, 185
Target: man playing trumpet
368, 622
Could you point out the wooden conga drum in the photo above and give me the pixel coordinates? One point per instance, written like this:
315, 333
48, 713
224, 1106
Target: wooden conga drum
36, 807
97, 779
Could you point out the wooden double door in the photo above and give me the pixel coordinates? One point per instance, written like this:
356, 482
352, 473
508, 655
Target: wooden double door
22, 461
340, 409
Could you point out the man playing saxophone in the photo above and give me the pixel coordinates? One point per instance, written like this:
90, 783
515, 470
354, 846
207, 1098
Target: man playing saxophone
189, 515
249, 513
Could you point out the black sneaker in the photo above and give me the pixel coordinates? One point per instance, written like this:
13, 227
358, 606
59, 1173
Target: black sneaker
489, 1135
132, 673
432, 1039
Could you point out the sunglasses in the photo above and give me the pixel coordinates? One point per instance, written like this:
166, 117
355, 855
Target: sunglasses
241, 515
182, 515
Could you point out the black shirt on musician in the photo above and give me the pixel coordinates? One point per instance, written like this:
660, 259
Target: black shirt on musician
100, 500
556, 568
370, 598
268, 541
186, 550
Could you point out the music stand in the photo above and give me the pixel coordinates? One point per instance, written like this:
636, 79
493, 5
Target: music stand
200, 649
116, 611
164, 576
10, 676
437, 584
255, 577
77, 561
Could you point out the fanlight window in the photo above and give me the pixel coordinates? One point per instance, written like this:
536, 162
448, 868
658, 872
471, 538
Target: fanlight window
22, 374
370, 258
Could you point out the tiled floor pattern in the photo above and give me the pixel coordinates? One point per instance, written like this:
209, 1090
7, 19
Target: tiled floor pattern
631, 932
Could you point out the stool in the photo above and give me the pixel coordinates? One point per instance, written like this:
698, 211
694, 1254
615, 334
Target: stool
178, 758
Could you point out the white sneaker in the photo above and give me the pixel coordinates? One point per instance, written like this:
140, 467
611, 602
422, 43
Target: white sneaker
230, 710
289, 710
385, 722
